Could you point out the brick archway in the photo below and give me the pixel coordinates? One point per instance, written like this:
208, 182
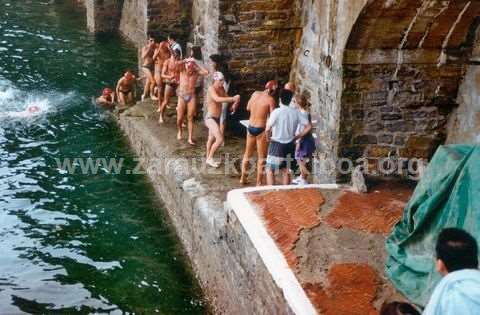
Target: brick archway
402, 67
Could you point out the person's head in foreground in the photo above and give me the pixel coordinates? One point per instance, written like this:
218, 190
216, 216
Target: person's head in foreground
286, 97
398, 308
271, 87
458, 292
455, 250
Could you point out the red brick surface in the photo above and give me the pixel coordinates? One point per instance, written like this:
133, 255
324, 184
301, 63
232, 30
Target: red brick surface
286, 213
351, 290
375, 212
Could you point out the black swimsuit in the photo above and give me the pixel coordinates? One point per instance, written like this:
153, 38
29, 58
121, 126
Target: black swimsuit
255, 131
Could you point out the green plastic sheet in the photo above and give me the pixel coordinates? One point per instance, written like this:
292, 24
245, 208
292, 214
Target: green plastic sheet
448, 195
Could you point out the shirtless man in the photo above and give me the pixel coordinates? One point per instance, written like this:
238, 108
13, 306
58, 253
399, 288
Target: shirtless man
126, 89
260, 106
187, 99
148, 67
107, 99
215, 97
162, 54
170, 75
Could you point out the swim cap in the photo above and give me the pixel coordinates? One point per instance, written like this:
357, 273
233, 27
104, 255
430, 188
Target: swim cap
107, 91
218, 76
190, 66
271, 85
33, 109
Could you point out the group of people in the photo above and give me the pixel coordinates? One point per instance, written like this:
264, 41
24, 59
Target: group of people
458, 292
281, 134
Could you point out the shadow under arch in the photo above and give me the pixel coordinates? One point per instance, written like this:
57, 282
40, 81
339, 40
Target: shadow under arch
402, 66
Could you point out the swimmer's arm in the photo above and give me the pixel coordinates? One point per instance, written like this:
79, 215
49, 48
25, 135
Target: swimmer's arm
219, 99
272, 106
202, 71
305, 131
156, 53
117, 89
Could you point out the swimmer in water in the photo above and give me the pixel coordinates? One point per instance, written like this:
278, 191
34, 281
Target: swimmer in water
30, 111
107, 99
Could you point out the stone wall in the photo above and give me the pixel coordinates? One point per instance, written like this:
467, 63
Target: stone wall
103, 16
258, 36
134, 21
464, 124
317, 71
229, 268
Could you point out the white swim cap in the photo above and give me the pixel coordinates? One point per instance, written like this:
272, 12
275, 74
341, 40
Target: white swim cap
218, 76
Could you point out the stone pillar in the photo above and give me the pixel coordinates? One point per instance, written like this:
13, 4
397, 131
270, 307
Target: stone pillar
103, 16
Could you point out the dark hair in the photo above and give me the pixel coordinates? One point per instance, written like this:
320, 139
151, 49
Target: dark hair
177, 52
286, 96
457, 250
172, 36
398, 308
221, 66
197, 52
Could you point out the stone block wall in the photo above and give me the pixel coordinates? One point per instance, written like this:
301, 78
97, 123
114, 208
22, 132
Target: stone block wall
317, 71
103, 16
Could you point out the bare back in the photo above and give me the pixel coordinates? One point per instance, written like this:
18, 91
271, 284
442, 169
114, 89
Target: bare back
260, 106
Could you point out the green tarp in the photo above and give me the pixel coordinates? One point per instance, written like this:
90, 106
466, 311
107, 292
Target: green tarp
448, 195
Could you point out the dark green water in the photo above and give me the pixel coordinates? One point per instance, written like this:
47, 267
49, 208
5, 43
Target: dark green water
73, 243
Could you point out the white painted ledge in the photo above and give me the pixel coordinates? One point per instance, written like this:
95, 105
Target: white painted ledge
271, 255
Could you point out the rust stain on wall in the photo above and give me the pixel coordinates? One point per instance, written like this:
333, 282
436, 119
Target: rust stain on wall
375, 212
286, 213
351, 290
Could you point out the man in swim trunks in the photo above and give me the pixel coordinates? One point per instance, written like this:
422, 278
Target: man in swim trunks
260, 106
107, 99
126, 89
171, 77
282, 124
187, 99
161, 55
148, 67
215, 97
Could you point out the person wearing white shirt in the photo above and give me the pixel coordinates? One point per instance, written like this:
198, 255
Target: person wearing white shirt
282, 124
458, 293
174, 45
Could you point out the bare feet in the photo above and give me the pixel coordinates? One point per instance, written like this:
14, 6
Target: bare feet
179, 135
212, 163
191, 142
154, 98
243, 181
160, 120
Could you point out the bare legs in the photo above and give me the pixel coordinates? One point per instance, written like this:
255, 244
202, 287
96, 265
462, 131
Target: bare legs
166, 99
271, 176
249, 147
149, 84
191, 112
215, 140
261, 143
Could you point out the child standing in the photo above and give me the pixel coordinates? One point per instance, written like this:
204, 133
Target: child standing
305, 145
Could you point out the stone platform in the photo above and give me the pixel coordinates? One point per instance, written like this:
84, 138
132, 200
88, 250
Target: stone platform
271, 250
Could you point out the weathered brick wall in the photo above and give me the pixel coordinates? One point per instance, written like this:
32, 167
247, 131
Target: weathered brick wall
259, 37
170, 16
402, 69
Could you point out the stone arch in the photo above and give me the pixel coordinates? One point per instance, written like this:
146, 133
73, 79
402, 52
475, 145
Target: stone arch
403, 62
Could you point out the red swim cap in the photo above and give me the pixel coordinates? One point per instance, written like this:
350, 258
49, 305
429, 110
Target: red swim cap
271, 85
107, 91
